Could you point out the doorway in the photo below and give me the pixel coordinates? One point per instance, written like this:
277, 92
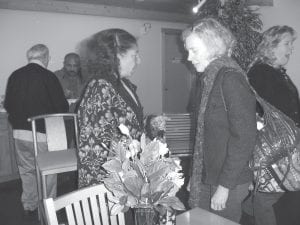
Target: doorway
177, 78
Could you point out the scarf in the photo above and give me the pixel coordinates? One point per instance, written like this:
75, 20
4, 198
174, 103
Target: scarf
209, 77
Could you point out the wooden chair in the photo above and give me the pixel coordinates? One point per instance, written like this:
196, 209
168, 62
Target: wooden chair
179, 134
59, 158
87, 206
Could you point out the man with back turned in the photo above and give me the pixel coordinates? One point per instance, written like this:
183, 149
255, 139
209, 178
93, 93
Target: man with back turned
32, 90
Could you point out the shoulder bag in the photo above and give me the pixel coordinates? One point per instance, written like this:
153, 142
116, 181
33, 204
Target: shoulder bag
276, 157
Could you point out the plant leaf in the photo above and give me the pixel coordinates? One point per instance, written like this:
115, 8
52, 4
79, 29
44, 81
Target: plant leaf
165, 186
126, 165
114, 184
143, 142
134, 185
155, 196
150, 153
125, 209
159, 172
139, 168
145, 191
172, 202
113, 165
116, 209
162, 210
123, 200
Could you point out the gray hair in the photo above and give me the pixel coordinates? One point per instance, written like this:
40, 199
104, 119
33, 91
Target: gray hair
218, 39
39, 52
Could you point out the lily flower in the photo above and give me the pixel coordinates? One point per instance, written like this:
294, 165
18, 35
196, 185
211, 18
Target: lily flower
124, 130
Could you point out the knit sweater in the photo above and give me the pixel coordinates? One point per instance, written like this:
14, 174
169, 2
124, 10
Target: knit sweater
33, 90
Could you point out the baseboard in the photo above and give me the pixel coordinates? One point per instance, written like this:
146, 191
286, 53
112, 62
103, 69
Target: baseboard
9, 178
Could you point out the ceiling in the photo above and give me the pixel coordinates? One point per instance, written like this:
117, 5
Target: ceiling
163, 10
170, 6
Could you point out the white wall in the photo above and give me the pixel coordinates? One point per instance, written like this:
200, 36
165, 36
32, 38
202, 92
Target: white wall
286, 12
19, 30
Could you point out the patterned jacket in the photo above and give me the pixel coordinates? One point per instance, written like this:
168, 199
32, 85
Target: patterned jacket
104, 105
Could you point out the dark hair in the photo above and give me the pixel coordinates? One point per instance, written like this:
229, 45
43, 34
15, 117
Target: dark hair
270, 39
101, 50
72, 55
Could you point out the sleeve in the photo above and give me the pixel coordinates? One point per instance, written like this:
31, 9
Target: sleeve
12, 88
56, 95
240, 104
8, 96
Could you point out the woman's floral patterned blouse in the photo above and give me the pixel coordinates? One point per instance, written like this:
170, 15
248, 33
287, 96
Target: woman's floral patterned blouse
104, 106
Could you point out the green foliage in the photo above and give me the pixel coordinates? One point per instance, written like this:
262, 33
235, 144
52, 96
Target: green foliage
140, 175
242, 21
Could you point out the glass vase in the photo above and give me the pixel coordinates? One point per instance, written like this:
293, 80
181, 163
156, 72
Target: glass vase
145, 216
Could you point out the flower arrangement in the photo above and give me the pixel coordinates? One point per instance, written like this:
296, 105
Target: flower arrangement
140, 175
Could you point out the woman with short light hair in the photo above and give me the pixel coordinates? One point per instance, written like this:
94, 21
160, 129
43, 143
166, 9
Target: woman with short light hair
226, 123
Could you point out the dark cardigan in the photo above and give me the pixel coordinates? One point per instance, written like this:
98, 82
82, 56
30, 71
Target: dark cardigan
229, 136
275, 86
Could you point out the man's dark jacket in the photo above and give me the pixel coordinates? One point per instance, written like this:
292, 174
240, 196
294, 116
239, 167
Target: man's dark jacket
33, 90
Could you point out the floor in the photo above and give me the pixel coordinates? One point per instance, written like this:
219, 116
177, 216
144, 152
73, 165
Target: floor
11, 212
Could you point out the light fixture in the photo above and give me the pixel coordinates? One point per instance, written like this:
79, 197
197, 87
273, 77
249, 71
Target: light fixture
198, 6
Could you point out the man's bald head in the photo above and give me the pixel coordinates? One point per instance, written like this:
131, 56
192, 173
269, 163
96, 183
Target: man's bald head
72, 64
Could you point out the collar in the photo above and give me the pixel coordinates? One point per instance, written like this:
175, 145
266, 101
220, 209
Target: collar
36, 61
136, 106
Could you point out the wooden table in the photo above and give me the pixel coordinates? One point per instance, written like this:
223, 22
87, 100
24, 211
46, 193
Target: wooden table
199, 216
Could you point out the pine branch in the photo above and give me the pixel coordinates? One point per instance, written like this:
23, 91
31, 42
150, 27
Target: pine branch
244, 23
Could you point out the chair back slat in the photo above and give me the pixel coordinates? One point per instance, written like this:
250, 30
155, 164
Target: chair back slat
70, 215
179, 135
95, 210
56, 133
113, 219
78, 213
51, 212
103, 210
86, 212
88, 206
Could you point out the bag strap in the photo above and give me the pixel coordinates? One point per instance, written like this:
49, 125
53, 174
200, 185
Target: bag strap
224, 71
267, 108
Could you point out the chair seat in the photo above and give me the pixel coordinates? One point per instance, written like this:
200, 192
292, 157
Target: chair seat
57, 161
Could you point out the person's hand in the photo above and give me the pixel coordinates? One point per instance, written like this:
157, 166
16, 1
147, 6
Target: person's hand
188, 187
251, 187
219, 199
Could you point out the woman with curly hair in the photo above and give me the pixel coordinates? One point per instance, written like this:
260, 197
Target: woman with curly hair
268, 77
108, 100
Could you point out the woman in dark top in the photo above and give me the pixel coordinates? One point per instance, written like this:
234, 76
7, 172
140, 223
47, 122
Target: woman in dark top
226, 125
109, 100
268, 77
